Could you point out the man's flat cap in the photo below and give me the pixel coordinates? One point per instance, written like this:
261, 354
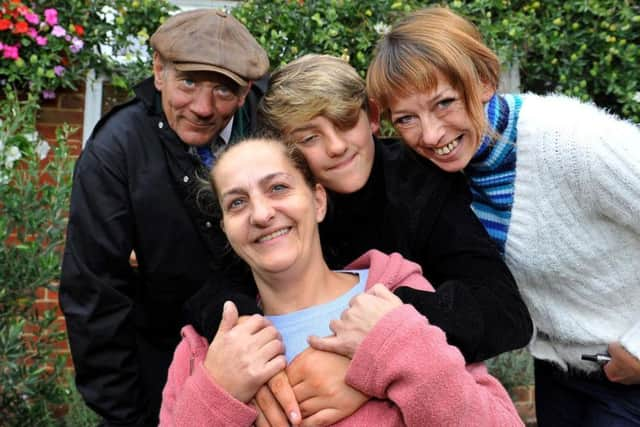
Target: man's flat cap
211, 40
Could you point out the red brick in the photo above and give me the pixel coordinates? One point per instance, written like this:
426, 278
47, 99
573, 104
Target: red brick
61, 347
57, 116
43, 305
48, 131
522, 394
41, 293
72, 100
52, 295
49, 103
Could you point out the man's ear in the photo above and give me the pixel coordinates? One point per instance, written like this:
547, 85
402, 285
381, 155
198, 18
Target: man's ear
158, 71
320, 197
374, 116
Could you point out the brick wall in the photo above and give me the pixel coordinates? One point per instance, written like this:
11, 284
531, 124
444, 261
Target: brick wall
67, 107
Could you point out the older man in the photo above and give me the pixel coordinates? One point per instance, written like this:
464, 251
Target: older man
137, 188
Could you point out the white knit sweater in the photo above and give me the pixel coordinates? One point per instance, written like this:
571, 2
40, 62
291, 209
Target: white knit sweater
574, 239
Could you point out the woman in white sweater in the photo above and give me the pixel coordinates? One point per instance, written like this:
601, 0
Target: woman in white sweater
556, 183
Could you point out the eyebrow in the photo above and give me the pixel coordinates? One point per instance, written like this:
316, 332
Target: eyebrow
265, 179
303, 128
430, 100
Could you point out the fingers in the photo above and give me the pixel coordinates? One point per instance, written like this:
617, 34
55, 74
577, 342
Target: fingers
283, 393
330, 344
269, 409
383, 292
308, 397
229, 317
320, 418
261, 420
624, 368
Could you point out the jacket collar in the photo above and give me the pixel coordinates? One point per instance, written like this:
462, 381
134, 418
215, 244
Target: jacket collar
149, 95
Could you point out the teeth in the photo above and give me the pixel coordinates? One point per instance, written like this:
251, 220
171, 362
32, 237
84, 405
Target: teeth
274, 235
447, 148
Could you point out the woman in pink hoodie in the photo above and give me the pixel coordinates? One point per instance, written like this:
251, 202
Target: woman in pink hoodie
271, 207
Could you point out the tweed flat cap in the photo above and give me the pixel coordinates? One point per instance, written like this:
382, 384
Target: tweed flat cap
211, 40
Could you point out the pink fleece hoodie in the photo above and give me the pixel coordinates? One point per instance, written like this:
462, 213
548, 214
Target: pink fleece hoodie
418, 379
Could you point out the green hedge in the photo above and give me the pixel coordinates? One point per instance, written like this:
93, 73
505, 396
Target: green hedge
573, 47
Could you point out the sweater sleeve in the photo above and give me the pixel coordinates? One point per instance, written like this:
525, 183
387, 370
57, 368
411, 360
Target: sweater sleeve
614, 183
476, 303
195, 399
441, 390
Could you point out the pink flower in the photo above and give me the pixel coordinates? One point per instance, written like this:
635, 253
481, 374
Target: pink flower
48, 94
32, 32
58, 70
1, 46
58, 31
41, 41
32, 18
76, 45
10, 52
51, 16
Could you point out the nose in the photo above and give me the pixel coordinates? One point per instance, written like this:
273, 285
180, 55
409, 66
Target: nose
203, 103
262, 212
432, 131
335, 144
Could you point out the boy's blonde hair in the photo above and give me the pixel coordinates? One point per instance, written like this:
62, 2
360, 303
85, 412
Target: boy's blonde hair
431, 43
310, 86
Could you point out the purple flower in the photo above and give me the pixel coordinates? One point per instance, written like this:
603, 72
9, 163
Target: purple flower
41, 41
58, 70
32, 18
51, 16
76, 45
48, 94
58, 31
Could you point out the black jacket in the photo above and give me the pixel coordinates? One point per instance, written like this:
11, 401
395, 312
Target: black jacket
136, 187
410, 206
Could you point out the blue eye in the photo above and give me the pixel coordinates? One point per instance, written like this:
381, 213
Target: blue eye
278, 188
403, 120
235, 204
223, 90
307, 140
188, 82
444, 103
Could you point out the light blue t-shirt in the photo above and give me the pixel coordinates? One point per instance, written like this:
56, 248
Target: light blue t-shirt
296, 327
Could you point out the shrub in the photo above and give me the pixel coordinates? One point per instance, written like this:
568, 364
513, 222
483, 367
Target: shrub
288, 29
33, 200
588, 49
513, 369
561, 46
47, 44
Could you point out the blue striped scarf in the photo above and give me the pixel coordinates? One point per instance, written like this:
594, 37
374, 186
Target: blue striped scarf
492, 171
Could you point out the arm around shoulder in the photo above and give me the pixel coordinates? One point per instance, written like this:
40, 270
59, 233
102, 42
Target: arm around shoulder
477, 302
